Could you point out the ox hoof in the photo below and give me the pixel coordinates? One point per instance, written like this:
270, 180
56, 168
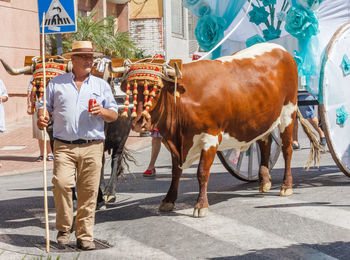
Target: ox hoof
109, 198
264, 187
200, 213
286, 192
166, 206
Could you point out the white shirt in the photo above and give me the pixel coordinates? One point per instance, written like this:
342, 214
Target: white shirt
69, 107
3, 92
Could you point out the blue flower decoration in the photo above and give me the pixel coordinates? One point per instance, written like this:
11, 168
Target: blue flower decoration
203, 9
281, 16
310, 4
271, 33
254, 40
187, 3
299, 60
342, 115
258, 15
209, 31
268, 2
346, 65
199, 8
301, 23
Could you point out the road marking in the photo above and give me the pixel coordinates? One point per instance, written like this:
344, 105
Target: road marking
318, 212
243, 236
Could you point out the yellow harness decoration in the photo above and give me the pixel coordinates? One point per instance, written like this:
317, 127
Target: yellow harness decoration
148, 75
53, 68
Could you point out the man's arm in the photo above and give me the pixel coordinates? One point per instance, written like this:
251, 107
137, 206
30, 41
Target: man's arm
29, 103
108, 115
3, 92
3, 99
42, 120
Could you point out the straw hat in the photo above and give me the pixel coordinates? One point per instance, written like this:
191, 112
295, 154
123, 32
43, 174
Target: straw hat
81, 47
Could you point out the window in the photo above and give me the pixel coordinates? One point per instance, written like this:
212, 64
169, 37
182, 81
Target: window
177, 19
192, 23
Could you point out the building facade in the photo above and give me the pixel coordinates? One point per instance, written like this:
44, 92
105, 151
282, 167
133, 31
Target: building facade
20, 37
162, 27
156, 26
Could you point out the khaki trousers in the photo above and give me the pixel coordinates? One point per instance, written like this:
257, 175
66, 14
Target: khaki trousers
86, 160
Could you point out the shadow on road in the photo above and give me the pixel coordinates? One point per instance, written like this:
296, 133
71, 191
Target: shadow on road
338, 250
18, 158
28, 211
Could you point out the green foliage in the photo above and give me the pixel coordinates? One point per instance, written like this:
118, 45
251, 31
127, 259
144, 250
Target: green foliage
102, 33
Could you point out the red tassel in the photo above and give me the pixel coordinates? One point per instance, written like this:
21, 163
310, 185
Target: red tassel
153, 93
135, 88
128, 92
146, 92
133, 114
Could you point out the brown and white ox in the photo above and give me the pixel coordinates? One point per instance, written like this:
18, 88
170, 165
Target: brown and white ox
226, 103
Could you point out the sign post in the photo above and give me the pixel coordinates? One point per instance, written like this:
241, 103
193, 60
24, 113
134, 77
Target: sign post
60, 16
45, 149
55, 16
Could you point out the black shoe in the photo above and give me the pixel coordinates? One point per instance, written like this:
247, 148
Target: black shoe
85, 245
323, 141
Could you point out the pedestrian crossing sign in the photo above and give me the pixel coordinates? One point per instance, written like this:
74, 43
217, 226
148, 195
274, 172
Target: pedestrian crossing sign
59, 16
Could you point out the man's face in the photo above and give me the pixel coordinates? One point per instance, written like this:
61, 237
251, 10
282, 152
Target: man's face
82, 63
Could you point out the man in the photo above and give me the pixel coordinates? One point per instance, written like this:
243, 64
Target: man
78, 142
308, 112
37, 133
3, 98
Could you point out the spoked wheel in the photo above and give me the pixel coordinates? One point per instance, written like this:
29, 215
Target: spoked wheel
335, 103
245, 165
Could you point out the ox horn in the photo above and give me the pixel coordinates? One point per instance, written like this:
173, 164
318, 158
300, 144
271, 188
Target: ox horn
69, 66
174, 72
16, 71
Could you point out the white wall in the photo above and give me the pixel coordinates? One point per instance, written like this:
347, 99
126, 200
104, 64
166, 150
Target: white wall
175, 48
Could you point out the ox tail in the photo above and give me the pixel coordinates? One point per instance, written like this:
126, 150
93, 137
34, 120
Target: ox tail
126, 158
316, 148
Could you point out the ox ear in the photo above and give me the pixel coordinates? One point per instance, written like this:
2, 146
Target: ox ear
180, 89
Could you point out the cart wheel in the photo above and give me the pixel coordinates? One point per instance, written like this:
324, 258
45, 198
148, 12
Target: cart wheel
245, 165
335, 102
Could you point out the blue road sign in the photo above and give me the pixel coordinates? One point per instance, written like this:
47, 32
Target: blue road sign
59, 16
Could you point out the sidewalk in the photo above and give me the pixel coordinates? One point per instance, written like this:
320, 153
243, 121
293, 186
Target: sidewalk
19, 150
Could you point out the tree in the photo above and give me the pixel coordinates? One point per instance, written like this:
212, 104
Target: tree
103, 34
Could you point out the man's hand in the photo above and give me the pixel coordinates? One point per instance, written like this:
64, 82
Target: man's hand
42, 120
29, 110
29, 103
106, 114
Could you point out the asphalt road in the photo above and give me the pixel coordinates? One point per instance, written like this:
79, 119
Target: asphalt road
314, 223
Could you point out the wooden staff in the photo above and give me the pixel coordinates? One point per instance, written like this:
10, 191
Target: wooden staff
45, 141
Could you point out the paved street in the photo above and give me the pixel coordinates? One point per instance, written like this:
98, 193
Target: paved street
314, 223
